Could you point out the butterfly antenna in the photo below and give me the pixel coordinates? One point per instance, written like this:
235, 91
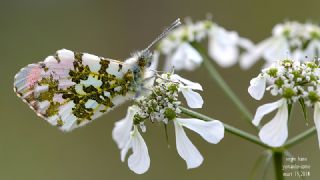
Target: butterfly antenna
175, 24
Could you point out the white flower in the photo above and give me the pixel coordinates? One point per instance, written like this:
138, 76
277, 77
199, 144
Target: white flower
211, 131
121, 131
163, 106
139, 160
194, 99
271, 50
200, 29
224, 46
292, 40
257, 87
126, 138
317, 118
294, 81
275, 132
184, 57
167, 45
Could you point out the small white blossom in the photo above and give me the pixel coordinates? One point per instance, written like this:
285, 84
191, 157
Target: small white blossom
127, 138
194, 99
289, 40
257, 87
162, 105
185, 57
139, 160
212, 132
223, 45
121, 131
275, 132
294, 81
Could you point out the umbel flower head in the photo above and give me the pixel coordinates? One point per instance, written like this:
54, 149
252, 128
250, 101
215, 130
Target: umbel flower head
223, 46
288, 40
161, 105
292, 81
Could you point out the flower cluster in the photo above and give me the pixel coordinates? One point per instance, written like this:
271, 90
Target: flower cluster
224, 46
293, 81
289, 40
160, 104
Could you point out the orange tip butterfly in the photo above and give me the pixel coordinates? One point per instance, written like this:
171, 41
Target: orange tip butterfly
70, 89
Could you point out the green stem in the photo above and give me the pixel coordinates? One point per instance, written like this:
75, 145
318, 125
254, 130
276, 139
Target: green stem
277, 160
300, 137
222, 84
228, 128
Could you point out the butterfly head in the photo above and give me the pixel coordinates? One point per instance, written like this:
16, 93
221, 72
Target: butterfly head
144, 57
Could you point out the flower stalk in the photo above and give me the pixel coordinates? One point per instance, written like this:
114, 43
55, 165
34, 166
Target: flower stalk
300, 137
277, 159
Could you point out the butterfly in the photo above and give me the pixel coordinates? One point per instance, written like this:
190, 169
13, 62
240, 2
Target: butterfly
70, 89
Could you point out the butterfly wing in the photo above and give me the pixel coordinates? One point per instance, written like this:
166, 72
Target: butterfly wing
71, 89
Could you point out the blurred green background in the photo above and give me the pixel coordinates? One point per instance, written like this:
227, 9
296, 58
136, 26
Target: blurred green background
31, 149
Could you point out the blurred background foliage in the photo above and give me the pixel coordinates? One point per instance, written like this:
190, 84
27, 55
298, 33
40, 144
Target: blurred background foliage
31, 30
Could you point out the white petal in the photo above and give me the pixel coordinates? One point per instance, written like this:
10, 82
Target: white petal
211, 131
186, 82
245, 43
122, 128
275, 132
139, 160
299, 55
317, 119
125, 149
253, 54
167, 45
223, 47
194, 99
257, 87
265, 109
186, 57
278, 49
186, 149
313, 50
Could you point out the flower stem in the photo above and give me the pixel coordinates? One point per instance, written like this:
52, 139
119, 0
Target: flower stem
222, 84
228, 128
277, 160
300, 137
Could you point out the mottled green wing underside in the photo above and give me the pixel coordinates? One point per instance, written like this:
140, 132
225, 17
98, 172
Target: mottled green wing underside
71, 89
